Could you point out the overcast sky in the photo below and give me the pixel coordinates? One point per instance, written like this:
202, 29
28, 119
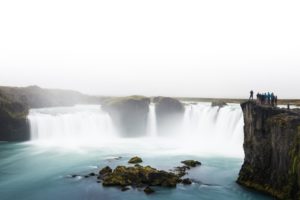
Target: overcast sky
212, 48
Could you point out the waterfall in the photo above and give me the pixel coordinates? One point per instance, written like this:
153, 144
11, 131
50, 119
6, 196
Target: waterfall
203, 127
214, 127
81, 123
151, 125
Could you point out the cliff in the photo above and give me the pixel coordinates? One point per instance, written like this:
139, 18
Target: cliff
272, 151
129, 114
169, 115
13, 122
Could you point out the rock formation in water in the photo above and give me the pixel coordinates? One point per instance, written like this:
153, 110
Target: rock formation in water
169, 114
272, 151
142, 177
129, 114
13, 122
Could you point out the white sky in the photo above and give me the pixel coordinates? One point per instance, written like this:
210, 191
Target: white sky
211, 48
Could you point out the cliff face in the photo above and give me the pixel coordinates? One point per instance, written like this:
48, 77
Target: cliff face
129, 114
272, 151
169, 114
13, 122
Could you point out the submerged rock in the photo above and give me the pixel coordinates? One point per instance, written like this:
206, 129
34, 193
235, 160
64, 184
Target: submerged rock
92, 174
148, 190
191, 163
124, 189
186, 181
181, 170
135, 160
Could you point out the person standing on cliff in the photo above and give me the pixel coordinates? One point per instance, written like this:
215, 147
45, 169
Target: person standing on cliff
251, 95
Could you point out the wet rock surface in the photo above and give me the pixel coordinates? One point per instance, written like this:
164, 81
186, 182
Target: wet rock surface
191, 163
139, 176
148, 190
135, 160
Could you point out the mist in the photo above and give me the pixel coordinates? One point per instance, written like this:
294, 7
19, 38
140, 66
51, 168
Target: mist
170, 48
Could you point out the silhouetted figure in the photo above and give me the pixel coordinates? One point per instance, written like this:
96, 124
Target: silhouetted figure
275, 100
258, 98
272, 99
264, 98
269, 98
288, 106
251, 95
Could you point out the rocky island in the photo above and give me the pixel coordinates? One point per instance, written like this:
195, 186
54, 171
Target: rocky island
272, 150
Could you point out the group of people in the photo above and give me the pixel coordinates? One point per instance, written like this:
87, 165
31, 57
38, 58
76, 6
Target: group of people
265, 98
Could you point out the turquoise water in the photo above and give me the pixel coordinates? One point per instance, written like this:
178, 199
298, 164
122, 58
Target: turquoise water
33, 172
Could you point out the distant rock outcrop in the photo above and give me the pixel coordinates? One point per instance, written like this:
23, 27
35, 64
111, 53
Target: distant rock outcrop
36, 97
272, 151
129, 114
217, 103
13, 122
169, 114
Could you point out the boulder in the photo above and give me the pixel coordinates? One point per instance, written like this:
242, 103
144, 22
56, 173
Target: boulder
105, 171
129, 114
186, 181
191, 163
135, 160
148, 190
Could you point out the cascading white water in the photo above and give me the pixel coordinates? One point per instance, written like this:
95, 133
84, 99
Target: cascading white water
204, 127
206, 122
214, 125
151, 125
65, 124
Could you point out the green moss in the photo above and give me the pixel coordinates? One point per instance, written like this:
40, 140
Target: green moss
11, 109
265, 188
139, 176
